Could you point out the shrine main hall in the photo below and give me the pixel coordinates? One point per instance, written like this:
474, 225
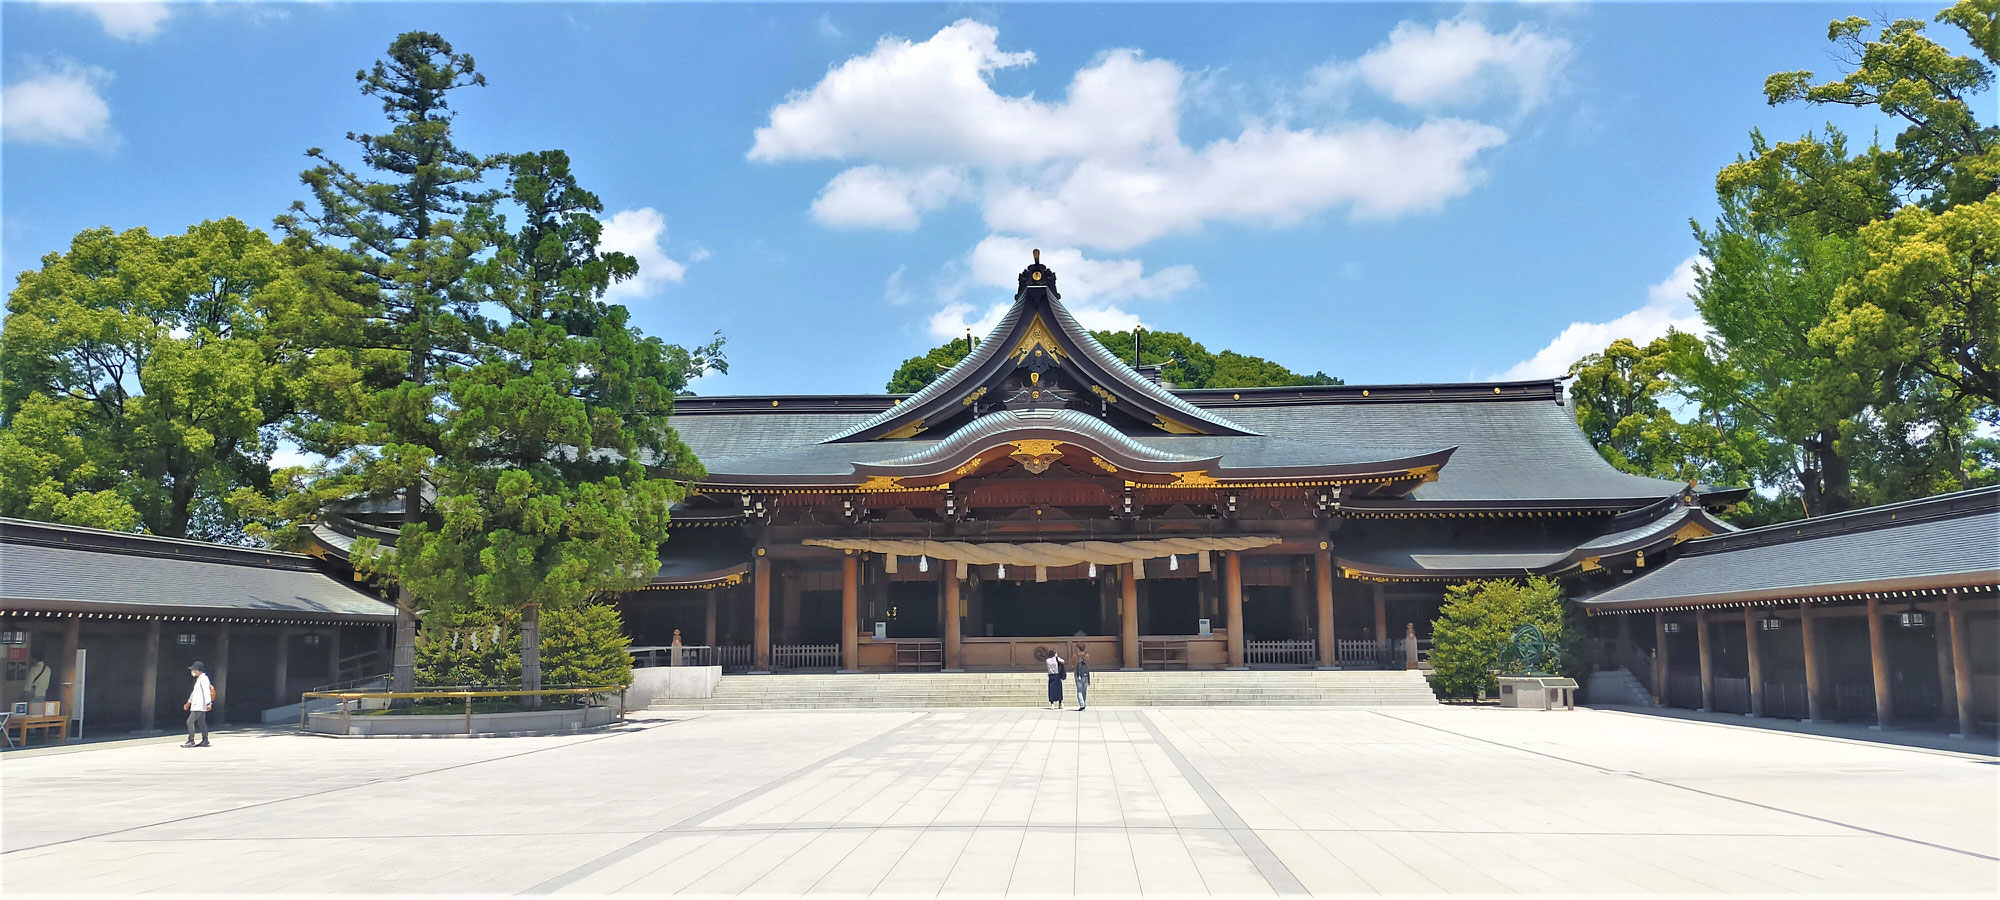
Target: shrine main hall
1043, 493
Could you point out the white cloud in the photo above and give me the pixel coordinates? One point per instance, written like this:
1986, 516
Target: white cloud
126, 20
58, 103
1104, 167
638, 233
1668, 306
877, 197
1269, 175
1459, 61
827, 28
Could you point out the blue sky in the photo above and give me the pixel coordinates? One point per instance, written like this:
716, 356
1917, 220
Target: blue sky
1388, 193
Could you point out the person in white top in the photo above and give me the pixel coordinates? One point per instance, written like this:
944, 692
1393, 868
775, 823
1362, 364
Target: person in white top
1055, 662
200, 699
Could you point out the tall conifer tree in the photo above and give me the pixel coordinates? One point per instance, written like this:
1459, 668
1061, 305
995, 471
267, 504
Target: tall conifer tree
392, 245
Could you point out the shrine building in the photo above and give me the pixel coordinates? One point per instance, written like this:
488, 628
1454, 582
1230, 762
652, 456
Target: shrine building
1045, 493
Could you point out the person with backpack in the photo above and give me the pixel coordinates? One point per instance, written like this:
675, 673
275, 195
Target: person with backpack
1056, 676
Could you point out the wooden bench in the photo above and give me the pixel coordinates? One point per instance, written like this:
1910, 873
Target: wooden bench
27, 725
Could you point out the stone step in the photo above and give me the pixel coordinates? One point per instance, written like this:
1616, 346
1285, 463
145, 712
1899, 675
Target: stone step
1026, 689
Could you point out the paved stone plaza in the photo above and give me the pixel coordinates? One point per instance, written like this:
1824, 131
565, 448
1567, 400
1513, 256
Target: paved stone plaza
1018, 801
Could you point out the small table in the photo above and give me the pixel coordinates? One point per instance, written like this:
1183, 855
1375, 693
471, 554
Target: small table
28, 724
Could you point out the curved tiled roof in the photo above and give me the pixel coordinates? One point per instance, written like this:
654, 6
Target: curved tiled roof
1070, 421
1947, 540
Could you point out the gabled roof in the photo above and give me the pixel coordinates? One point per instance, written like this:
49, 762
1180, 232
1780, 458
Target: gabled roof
1947, 541
1038, 332
66, 569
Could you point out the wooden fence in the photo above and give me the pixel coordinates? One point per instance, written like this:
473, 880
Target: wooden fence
1297, 654
796, 657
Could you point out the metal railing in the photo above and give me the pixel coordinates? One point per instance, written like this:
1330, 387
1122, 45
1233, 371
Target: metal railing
356, 667
347, 698
793, 657
731, 657
1280, 653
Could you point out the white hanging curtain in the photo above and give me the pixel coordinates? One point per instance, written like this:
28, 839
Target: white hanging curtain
1046, 553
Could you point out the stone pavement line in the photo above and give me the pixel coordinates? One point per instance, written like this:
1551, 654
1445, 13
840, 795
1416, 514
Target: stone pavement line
1268, 865
1663, 783
635, 847
333, 790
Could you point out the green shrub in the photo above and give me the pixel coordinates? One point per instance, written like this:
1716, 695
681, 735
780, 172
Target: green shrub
581, 646
585, 646
1472, 639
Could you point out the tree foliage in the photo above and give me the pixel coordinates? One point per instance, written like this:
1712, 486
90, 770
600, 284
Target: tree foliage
582, 646
1852, 298
1185, 363
139, 389
1472, 639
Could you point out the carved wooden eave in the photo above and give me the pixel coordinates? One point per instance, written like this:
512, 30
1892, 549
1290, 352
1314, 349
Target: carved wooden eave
1039, 348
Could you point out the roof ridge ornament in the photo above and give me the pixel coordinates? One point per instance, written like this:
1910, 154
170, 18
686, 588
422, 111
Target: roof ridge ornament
1037, 275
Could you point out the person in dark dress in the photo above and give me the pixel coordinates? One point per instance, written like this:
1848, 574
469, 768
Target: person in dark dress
1055, 662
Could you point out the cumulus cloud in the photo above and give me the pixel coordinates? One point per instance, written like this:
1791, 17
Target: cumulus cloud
58, 103
640, 233
1456, 62
877, 197
126, 20
1103, 167
1669, 305
1092, 289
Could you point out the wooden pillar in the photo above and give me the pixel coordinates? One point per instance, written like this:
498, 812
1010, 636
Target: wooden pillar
1751, 648
1323, 600
1659, 658
708, 622
1707, 673
149, 684
221, 683
1815, 686
1947, 686
1128, 616
1232, 594
850, 613
283, 667
949, 617
760, 613
72, 639
1961, 663
1878, 660
1381, 592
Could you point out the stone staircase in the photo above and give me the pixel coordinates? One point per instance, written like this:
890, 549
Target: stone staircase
1109, 688
1618, 687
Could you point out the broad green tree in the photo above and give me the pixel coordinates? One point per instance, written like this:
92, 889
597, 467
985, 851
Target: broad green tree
390, 250
1185, 363
1852, 295
140, 384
